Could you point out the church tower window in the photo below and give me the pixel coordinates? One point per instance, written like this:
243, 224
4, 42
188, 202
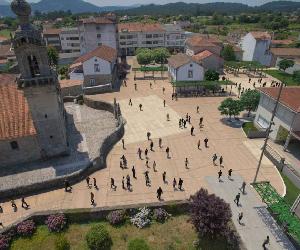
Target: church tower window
33, 65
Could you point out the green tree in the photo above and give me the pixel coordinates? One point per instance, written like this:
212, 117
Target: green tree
98, 238
144, 57
230, 107
228, 53
212, 75
296, 76
285, 64
160, 55
52, 55
250, 100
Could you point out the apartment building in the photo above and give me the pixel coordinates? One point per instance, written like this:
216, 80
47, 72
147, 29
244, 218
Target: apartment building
97, 31
70, 44
52, 38
139, 35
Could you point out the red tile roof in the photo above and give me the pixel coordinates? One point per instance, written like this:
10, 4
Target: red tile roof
197, 41
15, 116
202, 55
104, 52
97, 20
260, 35
282, 42
69, 83
51, 31
180, 59
290, 96
140, 27
293, 52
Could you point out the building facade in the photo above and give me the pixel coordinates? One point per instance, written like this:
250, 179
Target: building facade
97, 69
70, 44
52, 38
182, 67
210, 61
287, 119
256, 47
43, 129
97, 31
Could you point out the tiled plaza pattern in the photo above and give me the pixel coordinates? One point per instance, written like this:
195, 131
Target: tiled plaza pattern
224, 140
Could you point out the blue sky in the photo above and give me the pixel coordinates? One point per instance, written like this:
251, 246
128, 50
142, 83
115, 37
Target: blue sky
131, 2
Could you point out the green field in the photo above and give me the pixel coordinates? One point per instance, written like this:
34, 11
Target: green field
247, 126
5, 33
176, 233
292, 191
282, 76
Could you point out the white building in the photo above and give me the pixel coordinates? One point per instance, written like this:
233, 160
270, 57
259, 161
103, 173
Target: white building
256, 47
97, 31
287, 119
149, 35
70, 45
97, 69
182, 67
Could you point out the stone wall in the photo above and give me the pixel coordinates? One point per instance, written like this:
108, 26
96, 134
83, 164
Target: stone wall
94, 165
71, 91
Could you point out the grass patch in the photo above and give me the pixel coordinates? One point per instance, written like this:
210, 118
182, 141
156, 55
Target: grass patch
282, 76
176, 233
5, 33
249, 126
292, 191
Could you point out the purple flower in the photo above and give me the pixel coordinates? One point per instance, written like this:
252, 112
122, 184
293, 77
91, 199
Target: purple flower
56, 222
26, 228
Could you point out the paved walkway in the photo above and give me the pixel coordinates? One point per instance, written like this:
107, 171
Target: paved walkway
224, 139
257, 222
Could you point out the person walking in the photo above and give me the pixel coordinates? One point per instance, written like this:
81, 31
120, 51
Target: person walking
147, 164
229, 174
192, 131
112, 183
266, 242
160, 142
237, 199
168, 152
146, 153
128, 182
121, 165
186, 162
199, 144
87, 179
164, 176
67, 186
164, 103
135, 86
174, 183
197, 109
242, 188
13, 205
215, 157
168, 117
139, 153
123, 182
95, 183
240, 217
154, 166
163, 90
123, 143
133, 172
150, 85
220, 175
92, 198
180, 182
130, 102
24, 203
221, 160
206, 142
201, 122
148, 136
151, 145
141, 106
147, 178
159, 193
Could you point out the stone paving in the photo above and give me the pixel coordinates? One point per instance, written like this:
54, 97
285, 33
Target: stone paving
224, 140
87, 129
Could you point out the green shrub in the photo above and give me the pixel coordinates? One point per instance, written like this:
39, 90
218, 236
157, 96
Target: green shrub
98, 238
61, 243
138, 244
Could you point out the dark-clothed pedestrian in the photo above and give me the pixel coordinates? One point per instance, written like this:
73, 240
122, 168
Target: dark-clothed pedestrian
243, 187
135, 86
112, 183
67, 186
123, 143
214, 158
133, 172
146, 152
130, 102
141, 106
186, 162
206, 142
87, 179
180, 182
139, 153
164, 103
92, 198
164, 176
123, 182
240, 217
24, 203
174, 183
154, 166
199, 144
151, 145
197, 109
200, 121
95, 183
237, 199
160, 142
168, 152
266, 242
192, 130
221, 160
229, 173
159, 193
220, 174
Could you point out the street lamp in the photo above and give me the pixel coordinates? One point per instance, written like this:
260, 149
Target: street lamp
268, 132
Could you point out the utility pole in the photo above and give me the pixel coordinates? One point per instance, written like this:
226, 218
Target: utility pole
268, 132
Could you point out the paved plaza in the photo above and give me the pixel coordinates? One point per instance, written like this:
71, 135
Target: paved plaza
239, 154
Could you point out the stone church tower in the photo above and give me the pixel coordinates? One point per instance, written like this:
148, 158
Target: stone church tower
40, 85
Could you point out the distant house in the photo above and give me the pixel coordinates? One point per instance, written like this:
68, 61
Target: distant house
209, 60
70, 87
238, 52
281, 43
97, 69
284, 53
200, 43
51, 37
287, 119
256, 47
182, 67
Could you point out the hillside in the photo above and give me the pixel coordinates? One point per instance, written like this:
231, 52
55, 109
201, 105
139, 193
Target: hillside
172, 9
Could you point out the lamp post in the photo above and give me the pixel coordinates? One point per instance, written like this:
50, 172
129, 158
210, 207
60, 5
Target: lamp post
268, 133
